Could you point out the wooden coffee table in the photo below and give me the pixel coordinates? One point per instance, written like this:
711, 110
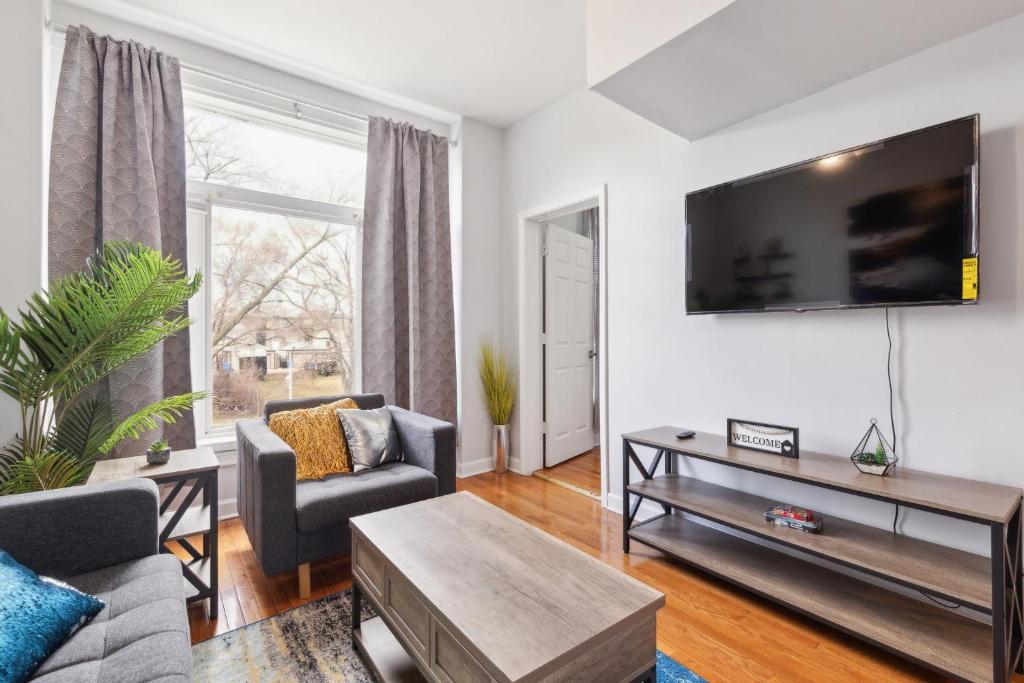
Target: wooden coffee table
467, 592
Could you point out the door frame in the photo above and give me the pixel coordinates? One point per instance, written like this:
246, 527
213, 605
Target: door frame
527, 444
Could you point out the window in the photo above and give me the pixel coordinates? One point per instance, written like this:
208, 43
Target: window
224, 150
274, 215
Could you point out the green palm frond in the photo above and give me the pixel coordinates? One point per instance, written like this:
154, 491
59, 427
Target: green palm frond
128, 299
47, 470
120, 353
85, 427
165, 410
11, 453
19, 377
93, 319
10, 341
499, 383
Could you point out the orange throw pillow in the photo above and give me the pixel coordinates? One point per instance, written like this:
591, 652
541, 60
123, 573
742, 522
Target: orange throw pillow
315, 436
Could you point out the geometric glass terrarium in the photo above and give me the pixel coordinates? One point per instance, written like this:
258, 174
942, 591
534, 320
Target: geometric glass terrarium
873, 454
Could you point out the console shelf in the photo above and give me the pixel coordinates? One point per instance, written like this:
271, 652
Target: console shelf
945, 572
944, 640
974, 501
955, 645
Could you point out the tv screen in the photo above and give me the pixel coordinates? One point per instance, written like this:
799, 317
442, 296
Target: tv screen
890, 223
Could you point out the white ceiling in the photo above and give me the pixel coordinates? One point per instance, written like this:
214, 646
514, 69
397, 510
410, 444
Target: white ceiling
496, 61
753, 55
500, 60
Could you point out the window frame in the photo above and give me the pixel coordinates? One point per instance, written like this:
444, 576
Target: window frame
201, 199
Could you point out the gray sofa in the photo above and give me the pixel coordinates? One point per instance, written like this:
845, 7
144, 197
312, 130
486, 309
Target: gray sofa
102, 539
291, 524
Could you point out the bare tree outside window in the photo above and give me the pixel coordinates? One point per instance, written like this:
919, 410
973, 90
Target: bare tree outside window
284, 293
214, 157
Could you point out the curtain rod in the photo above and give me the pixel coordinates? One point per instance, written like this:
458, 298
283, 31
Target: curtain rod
231, 80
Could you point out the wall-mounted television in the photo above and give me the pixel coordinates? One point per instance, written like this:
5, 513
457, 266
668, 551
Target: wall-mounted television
889, 223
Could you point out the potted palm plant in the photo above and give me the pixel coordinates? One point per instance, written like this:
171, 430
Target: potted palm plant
499, 385
128, 299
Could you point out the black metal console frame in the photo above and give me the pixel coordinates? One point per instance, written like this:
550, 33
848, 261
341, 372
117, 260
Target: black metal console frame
1006, 553
199, 482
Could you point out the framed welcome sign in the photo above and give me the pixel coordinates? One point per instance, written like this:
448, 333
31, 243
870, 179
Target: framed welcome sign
767, 438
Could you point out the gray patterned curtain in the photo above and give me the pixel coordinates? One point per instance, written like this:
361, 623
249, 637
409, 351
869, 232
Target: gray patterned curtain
117, 172
408, 350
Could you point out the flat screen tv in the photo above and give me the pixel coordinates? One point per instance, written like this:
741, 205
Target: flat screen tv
890, 223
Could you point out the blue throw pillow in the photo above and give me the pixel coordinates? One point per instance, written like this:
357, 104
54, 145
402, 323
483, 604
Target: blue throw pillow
37, 614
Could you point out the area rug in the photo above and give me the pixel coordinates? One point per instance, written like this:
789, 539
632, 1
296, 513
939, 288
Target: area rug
311, 644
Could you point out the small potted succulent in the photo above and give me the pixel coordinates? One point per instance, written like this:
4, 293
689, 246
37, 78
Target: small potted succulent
158, 452
872, 462
873, 454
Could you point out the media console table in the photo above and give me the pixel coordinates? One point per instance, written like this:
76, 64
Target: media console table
944, 640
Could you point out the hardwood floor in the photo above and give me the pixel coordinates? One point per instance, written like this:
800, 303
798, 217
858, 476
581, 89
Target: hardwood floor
583, 471
716, 630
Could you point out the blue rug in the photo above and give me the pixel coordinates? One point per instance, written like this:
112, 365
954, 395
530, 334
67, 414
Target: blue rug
310, 644
671, 671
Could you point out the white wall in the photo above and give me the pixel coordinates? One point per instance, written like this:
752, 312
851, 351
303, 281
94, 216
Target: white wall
477, 239
24, 52
577, 144
959, 371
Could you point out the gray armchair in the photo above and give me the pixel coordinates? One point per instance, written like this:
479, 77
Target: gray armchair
102, 539
291, 524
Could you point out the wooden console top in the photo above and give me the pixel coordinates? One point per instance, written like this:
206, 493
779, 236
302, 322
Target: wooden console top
965, 498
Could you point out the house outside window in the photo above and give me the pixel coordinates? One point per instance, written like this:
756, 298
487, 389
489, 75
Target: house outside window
274, 224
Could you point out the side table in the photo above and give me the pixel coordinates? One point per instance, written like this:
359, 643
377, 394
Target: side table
191, 472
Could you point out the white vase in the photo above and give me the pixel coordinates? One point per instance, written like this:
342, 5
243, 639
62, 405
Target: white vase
499, 448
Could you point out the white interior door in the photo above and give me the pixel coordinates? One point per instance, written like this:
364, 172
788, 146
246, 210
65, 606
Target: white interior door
568, 292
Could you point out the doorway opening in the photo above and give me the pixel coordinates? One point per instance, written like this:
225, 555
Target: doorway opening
571, 376
562, 343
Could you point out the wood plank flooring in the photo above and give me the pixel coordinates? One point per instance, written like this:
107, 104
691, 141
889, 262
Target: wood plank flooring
583, 471
718, 631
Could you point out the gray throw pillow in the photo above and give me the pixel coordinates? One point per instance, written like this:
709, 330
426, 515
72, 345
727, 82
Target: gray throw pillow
371, 437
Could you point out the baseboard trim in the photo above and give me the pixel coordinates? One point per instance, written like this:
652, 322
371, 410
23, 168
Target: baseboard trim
647, 509
227, 508
473, 468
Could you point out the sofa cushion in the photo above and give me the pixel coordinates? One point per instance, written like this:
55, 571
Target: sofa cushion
141, 635
315, 437
335, 500
37, 615
370, 437
364, 401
